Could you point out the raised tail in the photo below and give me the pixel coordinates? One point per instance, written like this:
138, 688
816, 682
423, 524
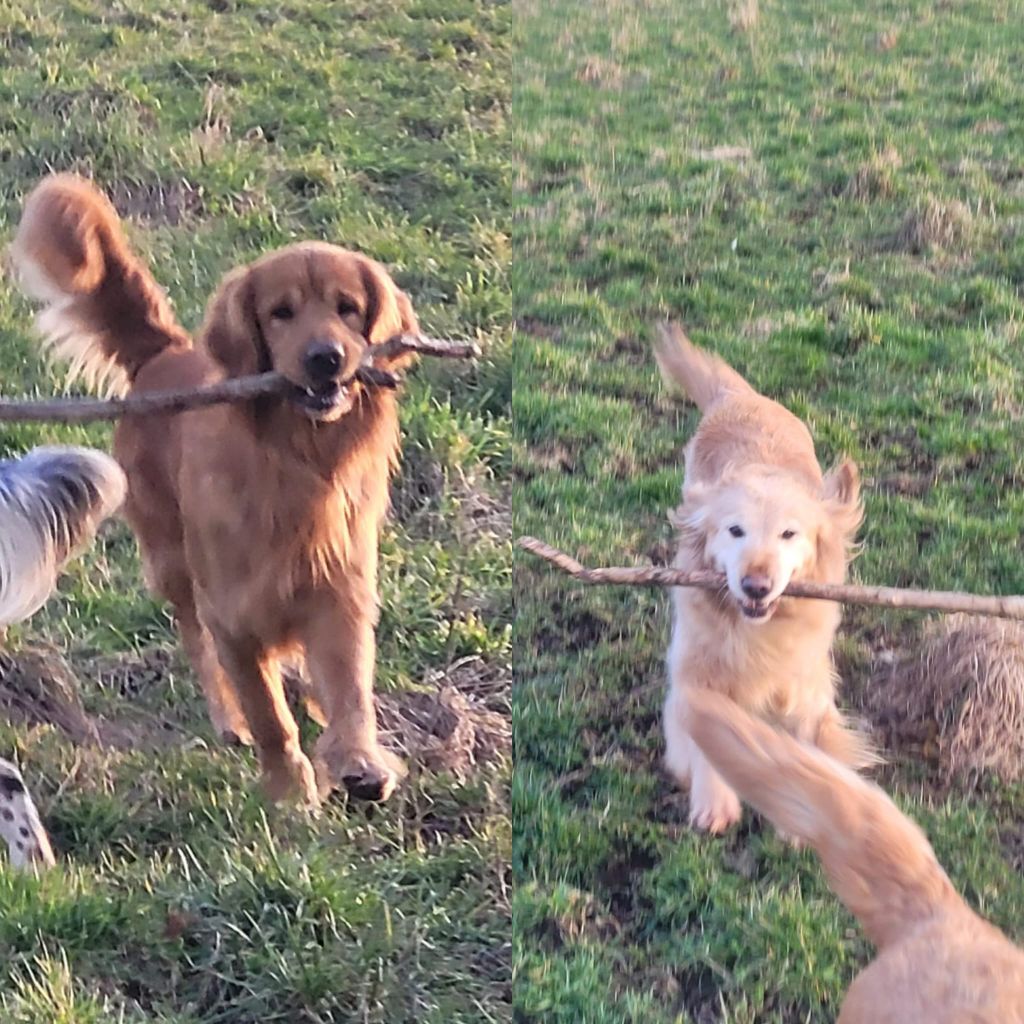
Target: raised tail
879, 863
52, 501
701, 375
102, 312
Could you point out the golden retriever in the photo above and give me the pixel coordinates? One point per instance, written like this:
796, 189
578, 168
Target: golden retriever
757, 508
258, 522
938, 962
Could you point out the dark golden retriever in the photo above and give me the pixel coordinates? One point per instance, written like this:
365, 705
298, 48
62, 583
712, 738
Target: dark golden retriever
259, 522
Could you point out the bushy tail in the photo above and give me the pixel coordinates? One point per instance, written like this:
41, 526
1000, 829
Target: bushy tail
102, 311
52, 501
841, 740
879, 863
702, 376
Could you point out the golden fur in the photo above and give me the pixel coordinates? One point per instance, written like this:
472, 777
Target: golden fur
757, 508
259, 522
938, 962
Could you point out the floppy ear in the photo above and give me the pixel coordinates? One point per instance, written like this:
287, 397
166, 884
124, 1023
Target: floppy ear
690, 522
840, 491
231, 333
388, 310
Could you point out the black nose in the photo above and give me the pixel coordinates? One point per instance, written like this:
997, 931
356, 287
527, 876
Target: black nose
323, 361
756, 587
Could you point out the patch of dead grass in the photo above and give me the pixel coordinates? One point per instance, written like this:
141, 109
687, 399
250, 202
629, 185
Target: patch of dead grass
744, 15
936, 225
959, 698
875, 178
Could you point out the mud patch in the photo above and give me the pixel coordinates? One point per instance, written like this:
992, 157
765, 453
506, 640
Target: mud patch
460, 725
38, 687
157, 201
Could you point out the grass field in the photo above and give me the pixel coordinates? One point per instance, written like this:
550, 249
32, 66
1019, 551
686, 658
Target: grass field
223, 129
831, 197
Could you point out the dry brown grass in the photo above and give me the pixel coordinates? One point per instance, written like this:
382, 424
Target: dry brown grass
744, 15
959, 698
886, 40
936, 224
601, 71
875, 178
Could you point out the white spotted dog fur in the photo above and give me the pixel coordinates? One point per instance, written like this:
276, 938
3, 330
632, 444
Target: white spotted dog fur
20, 826
52, 501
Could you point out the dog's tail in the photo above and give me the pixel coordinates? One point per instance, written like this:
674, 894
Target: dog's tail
847, 744
102, 312
701, 375
879, 863
52, 501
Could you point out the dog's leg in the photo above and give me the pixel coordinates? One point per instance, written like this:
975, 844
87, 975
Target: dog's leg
221, 699
340, 655
257, 677
713, 805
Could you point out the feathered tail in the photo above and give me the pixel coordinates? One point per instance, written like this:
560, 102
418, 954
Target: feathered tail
102, 312
879, 863
701, 375
52, 501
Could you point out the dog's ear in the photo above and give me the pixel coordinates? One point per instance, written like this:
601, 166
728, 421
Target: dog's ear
840, 490
388, 309
690, 521
231, 332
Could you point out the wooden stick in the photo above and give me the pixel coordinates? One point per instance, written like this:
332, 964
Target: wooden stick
846, 593
238, 389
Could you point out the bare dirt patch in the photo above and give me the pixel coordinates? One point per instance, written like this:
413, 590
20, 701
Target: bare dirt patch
159, 201
38, 687
460, 724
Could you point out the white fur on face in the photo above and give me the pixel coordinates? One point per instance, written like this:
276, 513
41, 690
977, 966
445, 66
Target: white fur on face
763, 527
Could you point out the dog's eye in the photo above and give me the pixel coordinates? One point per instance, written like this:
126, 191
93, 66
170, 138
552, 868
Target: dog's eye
737, 531
282, 312
788, 534
346, 308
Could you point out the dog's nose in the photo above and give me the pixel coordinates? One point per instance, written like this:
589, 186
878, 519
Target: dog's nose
323, 361
756, 587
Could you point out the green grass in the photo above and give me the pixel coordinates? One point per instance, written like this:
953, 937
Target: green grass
831, 265
224, 129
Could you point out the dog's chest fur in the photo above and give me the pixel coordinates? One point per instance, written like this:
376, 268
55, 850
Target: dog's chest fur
291, 506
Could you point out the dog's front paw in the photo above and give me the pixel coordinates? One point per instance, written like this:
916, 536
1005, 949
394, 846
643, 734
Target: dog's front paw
291, 777
716, 814
231, 725
366, 774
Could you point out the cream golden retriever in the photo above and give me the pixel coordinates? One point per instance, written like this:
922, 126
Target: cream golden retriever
757, 508
938, 962
257, 521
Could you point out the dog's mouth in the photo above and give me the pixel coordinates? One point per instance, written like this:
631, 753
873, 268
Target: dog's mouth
324, 401
758, 611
